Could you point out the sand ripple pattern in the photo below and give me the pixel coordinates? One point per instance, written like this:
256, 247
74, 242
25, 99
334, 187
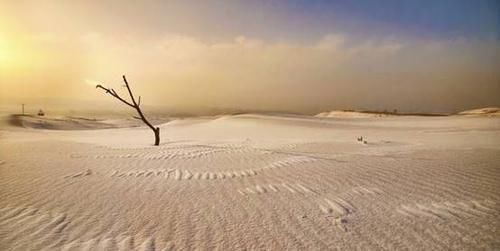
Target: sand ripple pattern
185, 174
119, 243
449, 210
229, 197
276, 188
179, 174
290, 162
48, 229
169, 153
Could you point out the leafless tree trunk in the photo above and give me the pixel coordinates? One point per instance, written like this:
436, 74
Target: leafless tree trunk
135, 105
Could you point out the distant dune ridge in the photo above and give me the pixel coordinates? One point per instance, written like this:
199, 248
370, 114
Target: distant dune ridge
251, 182
69, 122
84, 123
88, 123
349, 114
487, 111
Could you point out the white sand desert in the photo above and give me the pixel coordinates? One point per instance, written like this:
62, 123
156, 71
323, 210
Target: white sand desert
252, 182
249, 125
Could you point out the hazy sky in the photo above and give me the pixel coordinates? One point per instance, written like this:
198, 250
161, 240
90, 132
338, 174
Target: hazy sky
299, 56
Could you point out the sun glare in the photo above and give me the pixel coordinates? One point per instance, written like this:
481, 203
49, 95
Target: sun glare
4, 51
8, 54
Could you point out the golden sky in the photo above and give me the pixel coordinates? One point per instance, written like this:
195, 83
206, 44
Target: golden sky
247, 54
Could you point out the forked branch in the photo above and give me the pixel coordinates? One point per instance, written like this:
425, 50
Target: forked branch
133, 104
113, 93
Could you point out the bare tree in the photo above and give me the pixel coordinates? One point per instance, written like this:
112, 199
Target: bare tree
135, 105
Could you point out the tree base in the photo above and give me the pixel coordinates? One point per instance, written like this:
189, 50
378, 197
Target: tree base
157, 136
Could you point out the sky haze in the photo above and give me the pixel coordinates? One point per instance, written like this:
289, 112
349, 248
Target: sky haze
296, 56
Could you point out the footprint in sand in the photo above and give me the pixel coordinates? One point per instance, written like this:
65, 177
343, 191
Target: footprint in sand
87, 172
337, 210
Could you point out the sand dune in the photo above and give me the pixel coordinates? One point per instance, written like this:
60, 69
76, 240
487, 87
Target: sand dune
349, 114
68, 123
488, 111
253, 182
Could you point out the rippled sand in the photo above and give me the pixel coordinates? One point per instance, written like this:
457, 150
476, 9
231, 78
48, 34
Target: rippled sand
253, 182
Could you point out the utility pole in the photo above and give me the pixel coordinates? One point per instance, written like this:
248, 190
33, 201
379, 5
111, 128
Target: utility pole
23, 109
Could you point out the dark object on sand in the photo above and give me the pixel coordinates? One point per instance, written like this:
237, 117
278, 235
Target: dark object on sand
361, 140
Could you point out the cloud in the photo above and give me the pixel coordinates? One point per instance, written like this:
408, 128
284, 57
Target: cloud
92, 83
334, 71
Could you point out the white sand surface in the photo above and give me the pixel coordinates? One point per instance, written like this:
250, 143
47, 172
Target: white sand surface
252, 182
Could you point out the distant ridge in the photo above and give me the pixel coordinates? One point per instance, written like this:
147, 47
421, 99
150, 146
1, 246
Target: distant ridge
369, 114
68, 122
486, 111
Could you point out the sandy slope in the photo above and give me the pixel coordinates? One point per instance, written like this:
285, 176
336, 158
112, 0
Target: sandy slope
488, 111
255, 182
68, 123
349, 114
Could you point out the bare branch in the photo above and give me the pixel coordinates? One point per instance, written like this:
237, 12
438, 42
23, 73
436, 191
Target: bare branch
129, 91
114, 94
135, 105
